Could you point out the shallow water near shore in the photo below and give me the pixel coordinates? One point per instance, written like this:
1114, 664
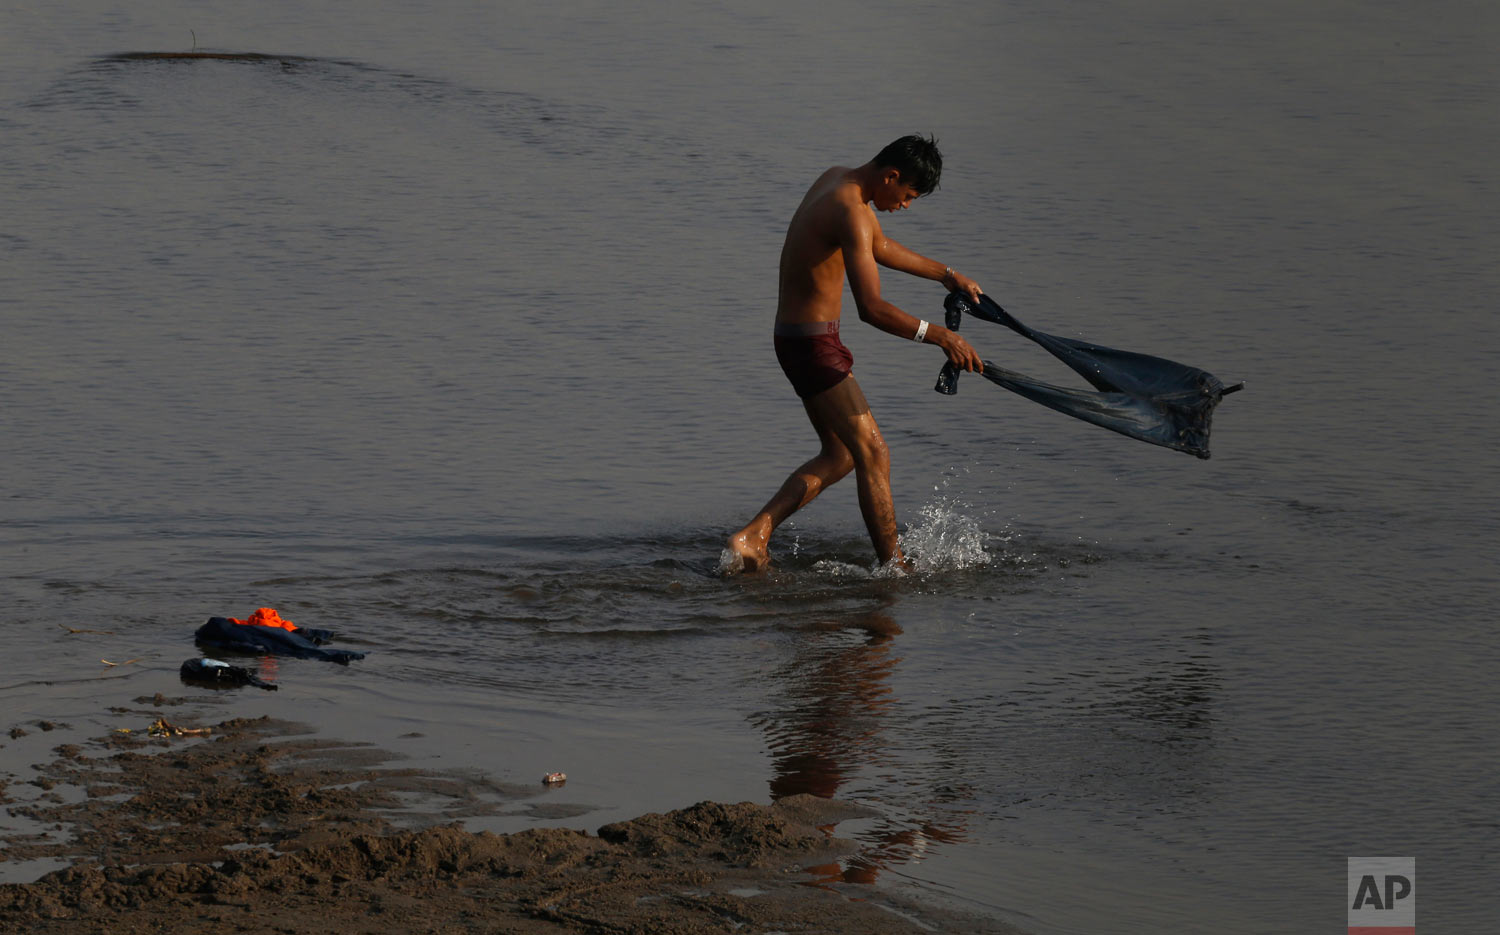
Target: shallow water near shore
452, 333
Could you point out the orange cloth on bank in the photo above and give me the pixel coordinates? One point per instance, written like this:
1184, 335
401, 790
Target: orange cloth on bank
265, 617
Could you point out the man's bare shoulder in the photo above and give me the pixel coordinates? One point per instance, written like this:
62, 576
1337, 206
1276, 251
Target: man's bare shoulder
831, 176
836, 185
835, 200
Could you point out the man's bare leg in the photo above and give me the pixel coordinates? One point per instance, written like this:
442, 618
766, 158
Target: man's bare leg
844, 412
851, 441
825, 469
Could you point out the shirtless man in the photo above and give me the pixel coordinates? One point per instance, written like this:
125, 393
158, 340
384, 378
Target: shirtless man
833, 234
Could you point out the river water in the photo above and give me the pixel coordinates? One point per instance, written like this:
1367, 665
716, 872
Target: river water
449, 329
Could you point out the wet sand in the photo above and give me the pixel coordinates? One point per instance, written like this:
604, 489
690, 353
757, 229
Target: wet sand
260, 827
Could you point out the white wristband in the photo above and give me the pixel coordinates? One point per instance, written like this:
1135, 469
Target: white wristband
921, 332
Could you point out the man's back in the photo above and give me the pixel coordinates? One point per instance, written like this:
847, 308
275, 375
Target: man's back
812, 261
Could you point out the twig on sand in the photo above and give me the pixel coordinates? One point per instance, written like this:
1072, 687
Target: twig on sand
161, 727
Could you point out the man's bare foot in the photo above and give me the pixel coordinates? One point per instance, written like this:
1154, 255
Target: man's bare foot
898, 567
746, 549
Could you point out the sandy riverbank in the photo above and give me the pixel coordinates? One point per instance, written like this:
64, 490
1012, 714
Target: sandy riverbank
260, 827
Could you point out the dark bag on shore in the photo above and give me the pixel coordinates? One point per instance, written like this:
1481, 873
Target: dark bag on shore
220, 674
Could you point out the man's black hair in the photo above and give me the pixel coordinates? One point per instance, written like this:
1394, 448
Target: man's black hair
916, 158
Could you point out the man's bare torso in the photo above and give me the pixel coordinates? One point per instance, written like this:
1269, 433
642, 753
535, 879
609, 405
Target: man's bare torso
812, 259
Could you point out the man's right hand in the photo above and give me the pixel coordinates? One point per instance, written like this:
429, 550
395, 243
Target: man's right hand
955, 281
960, 352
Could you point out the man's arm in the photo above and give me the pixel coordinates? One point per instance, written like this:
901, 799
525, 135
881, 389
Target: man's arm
892, 255
857, 238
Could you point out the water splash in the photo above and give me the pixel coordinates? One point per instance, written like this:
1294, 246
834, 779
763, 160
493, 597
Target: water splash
730, 563
945, 537
840, 571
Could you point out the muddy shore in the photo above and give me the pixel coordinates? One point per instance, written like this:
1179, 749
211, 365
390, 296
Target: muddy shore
256, 826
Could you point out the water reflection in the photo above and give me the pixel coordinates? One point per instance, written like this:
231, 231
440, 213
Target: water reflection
1129, 728
832, 726
837, 695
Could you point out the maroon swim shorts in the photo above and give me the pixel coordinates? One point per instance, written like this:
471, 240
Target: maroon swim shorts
812, 356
